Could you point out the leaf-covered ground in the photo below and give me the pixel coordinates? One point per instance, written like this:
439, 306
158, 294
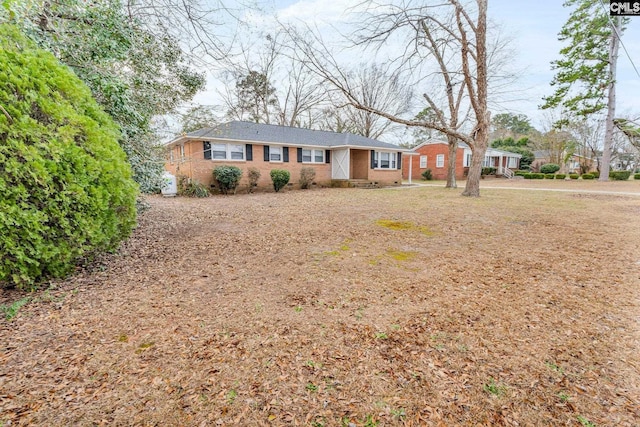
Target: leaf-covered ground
344, 307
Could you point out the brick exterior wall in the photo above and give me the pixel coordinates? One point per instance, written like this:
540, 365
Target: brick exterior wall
432, 151
194, 165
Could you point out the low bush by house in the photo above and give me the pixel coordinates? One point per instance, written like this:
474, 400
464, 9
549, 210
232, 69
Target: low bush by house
280, 178
588, 176
253, 174
488, 171
307, 175
191, 188
228, 178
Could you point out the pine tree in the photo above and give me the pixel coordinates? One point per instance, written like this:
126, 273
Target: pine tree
585, 75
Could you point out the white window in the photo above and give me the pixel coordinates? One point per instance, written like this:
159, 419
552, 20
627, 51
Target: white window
467, 160
182, 152
440, 161
275, 154
219, 151
513, 162
385, 160
237, 152
223, 151
171, 156
487, 163
312, 156
423, 162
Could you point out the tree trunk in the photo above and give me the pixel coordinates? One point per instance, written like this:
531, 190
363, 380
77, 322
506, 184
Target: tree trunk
472, 188
611, 102
480, 134
451, 166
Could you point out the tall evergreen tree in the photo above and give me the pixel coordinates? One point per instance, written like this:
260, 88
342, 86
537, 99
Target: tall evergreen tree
255, 98
585, 75
133, 73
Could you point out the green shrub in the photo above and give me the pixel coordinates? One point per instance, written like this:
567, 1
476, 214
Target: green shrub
521, 172
280, 178
588, 176
549, 176
574, 176
560, 176
254, 175
65, 184
636, 176
427, 175
533, 175
488, 171
549, 168
307, 175
595, 173
619, 175
191, 188
227, 178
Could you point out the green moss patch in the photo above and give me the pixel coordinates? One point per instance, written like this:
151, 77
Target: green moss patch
404, 225
401, 255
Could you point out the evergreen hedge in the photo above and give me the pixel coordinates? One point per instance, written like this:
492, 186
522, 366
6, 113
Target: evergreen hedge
66, 186
619, 175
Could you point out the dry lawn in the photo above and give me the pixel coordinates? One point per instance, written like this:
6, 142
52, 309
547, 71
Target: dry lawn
344, 307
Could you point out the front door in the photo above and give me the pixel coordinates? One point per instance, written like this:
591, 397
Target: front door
340, 164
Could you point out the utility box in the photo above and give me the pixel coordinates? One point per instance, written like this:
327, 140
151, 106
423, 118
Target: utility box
170, 185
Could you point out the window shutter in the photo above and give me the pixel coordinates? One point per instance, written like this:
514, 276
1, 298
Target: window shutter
299, 155
327, 156
399, 164
248, 148
206, 146
266, 153
373, 159
285, 154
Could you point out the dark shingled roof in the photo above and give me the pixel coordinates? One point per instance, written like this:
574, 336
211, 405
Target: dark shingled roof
258, 132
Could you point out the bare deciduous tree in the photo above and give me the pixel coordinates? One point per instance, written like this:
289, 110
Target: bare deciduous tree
465, 29
300, 96
381, 91
296, 93
588, 135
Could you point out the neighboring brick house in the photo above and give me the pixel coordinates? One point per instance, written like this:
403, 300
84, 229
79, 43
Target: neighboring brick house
434, 155
339, 159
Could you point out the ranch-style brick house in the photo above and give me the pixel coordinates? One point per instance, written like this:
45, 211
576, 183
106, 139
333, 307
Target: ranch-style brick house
434, 155
339, 159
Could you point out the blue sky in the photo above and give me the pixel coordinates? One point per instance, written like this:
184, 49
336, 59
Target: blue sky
533, 28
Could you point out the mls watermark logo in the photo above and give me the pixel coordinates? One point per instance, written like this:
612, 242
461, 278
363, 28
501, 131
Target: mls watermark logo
624, 8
